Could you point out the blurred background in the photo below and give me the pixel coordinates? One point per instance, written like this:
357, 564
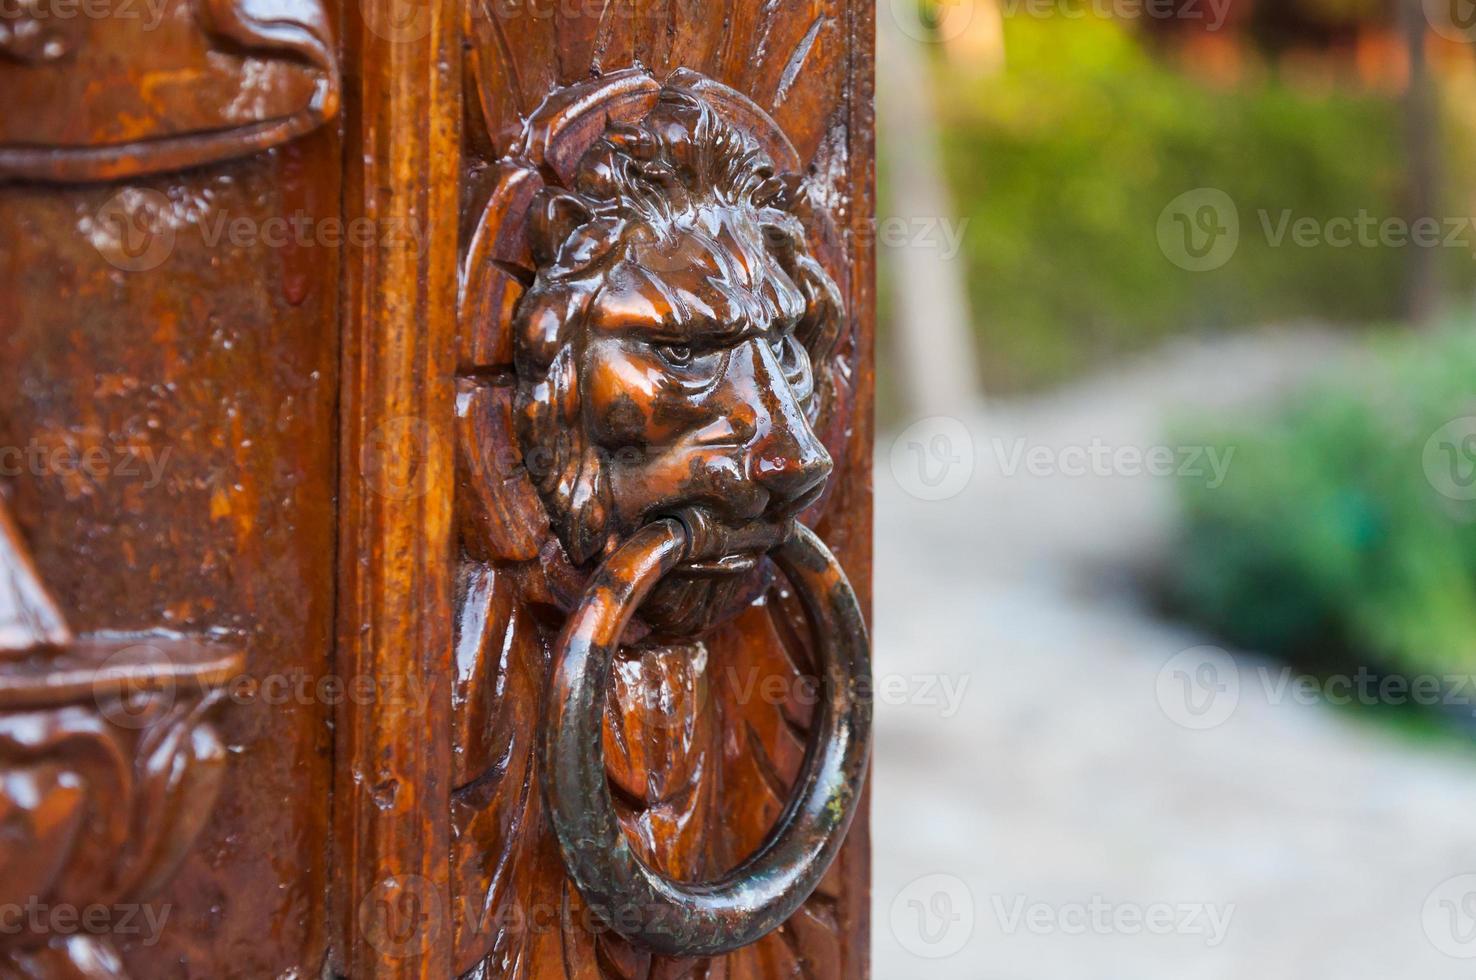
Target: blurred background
1176, 489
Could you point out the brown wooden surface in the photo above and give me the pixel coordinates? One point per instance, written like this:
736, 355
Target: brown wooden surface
225, 358
321, 414
396, 571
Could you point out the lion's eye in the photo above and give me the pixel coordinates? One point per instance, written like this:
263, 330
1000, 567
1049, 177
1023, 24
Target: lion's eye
678, 354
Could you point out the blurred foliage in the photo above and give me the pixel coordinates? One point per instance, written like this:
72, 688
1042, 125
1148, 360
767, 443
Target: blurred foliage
1329, 543
1061, 166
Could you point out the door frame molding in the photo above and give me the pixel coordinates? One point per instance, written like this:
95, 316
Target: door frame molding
402, 172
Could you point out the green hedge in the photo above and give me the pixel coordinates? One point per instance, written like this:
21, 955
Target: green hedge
1062, 165
1337, 538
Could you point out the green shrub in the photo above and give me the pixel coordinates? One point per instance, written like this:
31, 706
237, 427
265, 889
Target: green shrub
1330, 542
1062, 165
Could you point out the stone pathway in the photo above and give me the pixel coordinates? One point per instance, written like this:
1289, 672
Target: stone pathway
1047, 803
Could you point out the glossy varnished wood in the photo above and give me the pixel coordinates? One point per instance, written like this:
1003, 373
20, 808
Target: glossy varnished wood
225, 360
699, 766
392, 791
346, 487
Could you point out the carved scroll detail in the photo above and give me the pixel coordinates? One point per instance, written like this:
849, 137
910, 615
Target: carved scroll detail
109, 768
202, 81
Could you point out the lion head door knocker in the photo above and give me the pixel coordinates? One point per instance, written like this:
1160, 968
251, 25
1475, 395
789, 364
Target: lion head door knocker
676, 381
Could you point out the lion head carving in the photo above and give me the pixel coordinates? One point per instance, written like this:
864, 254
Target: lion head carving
675, 352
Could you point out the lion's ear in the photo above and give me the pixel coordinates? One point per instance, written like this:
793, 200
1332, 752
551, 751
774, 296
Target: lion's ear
556, 216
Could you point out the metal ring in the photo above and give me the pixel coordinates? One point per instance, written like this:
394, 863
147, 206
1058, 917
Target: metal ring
711, 917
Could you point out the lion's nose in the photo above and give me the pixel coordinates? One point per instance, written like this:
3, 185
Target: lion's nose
791, 464
785, 457
780, 454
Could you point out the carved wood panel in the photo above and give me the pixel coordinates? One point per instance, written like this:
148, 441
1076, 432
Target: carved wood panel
321, 454
704, 737
169, 372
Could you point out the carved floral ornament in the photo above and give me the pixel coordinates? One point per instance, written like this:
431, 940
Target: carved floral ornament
654, 389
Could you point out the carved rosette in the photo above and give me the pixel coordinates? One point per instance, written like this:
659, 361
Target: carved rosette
109, 768
699, 765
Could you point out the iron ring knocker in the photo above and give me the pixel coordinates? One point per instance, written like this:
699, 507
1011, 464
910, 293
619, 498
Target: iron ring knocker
712, 917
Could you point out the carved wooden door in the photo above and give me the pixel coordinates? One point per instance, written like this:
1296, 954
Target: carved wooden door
435, 446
